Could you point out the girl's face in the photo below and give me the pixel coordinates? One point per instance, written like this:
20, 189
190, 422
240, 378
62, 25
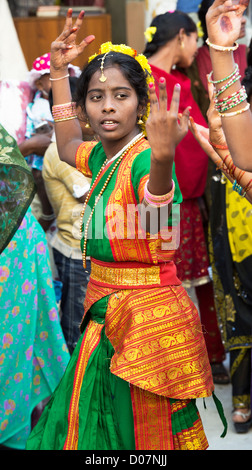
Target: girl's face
189, 51
112, 109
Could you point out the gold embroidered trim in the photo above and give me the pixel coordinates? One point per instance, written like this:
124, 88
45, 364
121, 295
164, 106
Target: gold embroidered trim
125, 276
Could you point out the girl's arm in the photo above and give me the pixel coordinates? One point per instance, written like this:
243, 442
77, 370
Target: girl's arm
164, 132
63, 51
223, 25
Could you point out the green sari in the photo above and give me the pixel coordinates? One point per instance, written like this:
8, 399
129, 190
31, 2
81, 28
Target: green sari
107, 399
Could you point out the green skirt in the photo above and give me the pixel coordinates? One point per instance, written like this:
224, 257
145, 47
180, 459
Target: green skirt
105, 412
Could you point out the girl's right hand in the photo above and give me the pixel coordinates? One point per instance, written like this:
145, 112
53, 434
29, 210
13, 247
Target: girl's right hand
223, 21
64, 49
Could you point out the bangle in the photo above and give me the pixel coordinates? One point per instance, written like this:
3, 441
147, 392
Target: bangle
159, 201
60, 78
222, 48
64, 112
232, 170
231, 101
240, 175
221, 166
223, 79
47, 216
247, 188
237, 187
217, 146
235, 113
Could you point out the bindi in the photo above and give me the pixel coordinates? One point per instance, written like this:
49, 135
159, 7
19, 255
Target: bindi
226, 24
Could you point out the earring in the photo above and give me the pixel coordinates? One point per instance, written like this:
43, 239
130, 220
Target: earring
140, 121
87, 125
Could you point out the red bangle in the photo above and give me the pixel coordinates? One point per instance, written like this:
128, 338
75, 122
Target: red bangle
240, 175
216, 146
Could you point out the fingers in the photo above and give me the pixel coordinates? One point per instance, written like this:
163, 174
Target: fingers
174, 108
184, 120
69, 29
154, 105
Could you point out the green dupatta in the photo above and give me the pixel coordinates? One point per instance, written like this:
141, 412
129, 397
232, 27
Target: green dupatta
17, 187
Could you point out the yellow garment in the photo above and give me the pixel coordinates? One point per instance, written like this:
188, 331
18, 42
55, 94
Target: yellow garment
239, 224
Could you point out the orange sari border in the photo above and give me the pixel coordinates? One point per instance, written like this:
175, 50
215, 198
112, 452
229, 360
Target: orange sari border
128, 275
81, 157
90, 341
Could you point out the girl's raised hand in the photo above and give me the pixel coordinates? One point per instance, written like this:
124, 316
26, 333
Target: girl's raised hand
65, 49
164, 128
223, 21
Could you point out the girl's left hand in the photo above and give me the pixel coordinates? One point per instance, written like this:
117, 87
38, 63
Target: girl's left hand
64, 49
164, 129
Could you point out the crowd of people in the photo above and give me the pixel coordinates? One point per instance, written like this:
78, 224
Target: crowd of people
143, 191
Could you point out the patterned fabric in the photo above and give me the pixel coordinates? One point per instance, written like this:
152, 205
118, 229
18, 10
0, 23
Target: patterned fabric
17, 187
232, 279
158, 342
33, 353
191, 257
146, 421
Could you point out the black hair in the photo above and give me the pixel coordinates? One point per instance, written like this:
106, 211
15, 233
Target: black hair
168, 26
204, 7
130, 68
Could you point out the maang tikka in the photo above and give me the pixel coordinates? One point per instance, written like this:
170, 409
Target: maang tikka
102, 77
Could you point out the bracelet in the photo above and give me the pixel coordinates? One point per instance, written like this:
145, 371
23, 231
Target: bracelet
227, 85
221, 166
240, 175
231, 101
235, 113
60, 78
237, 188
47, 216
159, 201
64, 112
223, 79
232, 170
247, 188
217, 146
222, 48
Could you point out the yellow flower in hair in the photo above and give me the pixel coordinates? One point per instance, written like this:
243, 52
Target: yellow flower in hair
200, 30
149, 33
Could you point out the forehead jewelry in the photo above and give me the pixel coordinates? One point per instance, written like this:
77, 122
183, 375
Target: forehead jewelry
102, 77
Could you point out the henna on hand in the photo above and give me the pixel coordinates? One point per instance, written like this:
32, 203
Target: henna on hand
226, 24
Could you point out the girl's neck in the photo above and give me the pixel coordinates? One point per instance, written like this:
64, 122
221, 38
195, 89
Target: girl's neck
121, 147
166, 57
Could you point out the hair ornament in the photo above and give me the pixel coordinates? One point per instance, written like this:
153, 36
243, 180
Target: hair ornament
200, 29
150, 32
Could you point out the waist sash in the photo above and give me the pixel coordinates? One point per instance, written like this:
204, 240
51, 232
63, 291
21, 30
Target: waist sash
133, 275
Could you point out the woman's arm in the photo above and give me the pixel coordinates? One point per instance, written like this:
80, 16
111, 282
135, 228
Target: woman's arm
223, 25
63, 51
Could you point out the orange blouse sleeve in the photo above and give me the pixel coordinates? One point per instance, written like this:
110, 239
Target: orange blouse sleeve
82, 157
